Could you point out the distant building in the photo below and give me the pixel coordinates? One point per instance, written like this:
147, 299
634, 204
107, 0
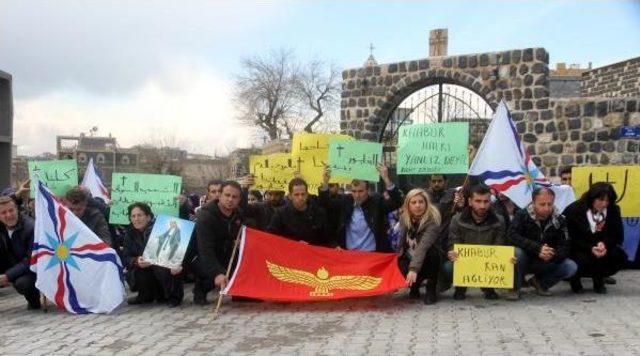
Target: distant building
565, 82
196, 170
104, 151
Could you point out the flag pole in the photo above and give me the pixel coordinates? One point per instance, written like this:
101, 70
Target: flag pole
233, 255
454, 205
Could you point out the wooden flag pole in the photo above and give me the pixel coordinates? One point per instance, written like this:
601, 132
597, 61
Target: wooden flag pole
454, 205
233, 255
45, 303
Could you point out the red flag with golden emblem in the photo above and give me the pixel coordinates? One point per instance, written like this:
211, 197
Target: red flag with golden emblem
274, 268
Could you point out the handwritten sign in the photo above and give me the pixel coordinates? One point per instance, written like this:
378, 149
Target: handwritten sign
483, 266
623, 178
355, 159
311, 152
59, 176
272, 172
433, 148
159, 191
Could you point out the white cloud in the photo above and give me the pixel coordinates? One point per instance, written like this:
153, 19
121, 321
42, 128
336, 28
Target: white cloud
186, 101
139, 70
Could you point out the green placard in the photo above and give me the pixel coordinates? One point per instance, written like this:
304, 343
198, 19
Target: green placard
59, 176
159, 191
355, 159
433, 148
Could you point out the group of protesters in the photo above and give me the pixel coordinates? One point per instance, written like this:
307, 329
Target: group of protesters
421, 225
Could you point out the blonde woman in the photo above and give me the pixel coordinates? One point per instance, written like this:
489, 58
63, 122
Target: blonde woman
420, 258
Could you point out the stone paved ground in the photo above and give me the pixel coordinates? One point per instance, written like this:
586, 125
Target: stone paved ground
566, 324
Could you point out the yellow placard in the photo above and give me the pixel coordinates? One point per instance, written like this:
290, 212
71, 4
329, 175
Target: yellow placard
483, 266
624, 179
311, 153
272, 172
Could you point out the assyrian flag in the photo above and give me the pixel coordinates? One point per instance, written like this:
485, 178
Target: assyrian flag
93, 182
74, 268
504, 165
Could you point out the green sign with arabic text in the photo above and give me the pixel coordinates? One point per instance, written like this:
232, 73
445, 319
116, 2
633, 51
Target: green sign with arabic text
159, 191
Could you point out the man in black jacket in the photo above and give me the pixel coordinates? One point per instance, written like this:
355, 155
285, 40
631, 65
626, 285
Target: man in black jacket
78, 200
363, 216
541, 239
217, 227
16, 240
301, 219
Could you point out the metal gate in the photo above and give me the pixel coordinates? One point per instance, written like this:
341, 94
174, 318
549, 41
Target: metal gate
436, 103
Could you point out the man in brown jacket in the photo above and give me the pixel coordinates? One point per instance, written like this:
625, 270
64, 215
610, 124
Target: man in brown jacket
477, 224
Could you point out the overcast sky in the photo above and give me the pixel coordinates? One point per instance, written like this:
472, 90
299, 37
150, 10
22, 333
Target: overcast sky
147, 70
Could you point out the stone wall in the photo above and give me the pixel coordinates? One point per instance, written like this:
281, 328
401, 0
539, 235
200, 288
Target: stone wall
371, 93
583, 131
616, 80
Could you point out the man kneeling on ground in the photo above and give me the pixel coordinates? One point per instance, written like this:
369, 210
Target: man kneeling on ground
540, 236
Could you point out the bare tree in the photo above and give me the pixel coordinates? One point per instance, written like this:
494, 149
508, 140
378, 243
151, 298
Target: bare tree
265, 92
317, 87
282, 96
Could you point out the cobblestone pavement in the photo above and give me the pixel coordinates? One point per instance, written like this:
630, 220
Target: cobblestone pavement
565, 324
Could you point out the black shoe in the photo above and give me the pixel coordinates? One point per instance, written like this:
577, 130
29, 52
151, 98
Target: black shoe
576, 285
460, 293
414, 292
137, 300
175, 303
490, 294
199, 298
430, 297
34, 305
598, 286
610, 280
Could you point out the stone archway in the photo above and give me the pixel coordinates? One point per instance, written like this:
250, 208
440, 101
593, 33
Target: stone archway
520, 77
423, 79
371, 93
410, 84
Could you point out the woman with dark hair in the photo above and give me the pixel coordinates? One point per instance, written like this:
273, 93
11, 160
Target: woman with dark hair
254, 197
152, 282
596, 233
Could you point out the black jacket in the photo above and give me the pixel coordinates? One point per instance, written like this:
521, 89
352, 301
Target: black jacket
134, 243
582, 239
501, 210
215, 237
15, 252
530, 235
309, 225
96, 222
375, 210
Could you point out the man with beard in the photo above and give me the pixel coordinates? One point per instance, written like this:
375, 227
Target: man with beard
477, 224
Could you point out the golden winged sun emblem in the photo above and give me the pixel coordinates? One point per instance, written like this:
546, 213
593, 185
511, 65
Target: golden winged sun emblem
321, 282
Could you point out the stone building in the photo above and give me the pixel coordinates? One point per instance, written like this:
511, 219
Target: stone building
566, 82
198, 170
620, 79
557, 131
104, 151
